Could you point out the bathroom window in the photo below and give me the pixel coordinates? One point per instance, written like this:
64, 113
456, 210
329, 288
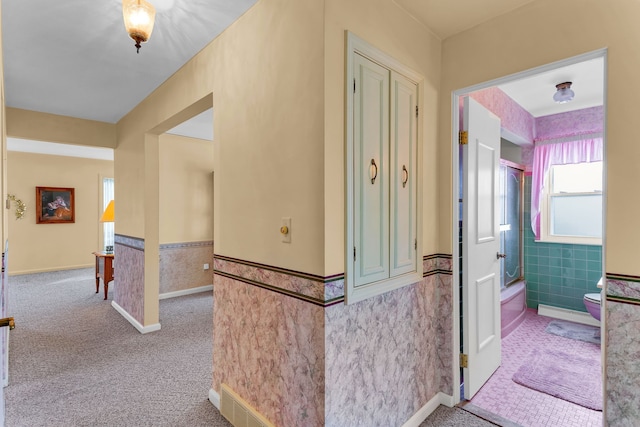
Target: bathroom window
572, 204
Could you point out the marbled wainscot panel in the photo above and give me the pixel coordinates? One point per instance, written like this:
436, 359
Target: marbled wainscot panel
334, 289
269, 348
444, 286
445, 263
181, 266
299, 283
429, 264
128, 264
622, 288
622, 367
382, 357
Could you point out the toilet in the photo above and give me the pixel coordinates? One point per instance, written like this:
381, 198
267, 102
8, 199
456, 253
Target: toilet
592, 303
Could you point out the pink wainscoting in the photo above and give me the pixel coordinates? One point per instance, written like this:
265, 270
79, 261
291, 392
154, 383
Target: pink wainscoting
302, 361
513, 303
128, 289
181, 266
383, 356
269, 348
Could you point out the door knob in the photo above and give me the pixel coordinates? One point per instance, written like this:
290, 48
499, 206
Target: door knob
7, 321
499, 255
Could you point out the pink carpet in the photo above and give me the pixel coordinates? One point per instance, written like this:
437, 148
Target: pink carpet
570, 377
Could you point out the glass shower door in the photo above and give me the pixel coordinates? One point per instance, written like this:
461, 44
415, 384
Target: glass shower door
511, 190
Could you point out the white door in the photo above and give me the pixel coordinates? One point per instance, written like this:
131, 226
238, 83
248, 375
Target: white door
480, 247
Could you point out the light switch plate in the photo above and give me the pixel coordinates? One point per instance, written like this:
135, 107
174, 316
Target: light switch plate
285, 237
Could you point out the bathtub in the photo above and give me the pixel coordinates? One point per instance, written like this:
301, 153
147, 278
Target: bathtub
513, 307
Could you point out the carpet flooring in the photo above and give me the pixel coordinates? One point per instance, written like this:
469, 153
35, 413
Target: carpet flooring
454, 417
74, 361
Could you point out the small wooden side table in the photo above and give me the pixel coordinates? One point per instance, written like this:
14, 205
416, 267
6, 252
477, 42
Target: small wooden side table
104, 270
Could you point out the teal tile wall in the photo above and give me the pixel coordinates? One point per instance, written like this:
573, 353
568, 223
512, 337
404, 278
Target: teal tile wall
558, 274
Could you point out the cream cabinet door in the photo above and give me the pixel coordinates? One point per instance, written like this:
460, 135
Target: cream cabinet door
403, 193
371, 171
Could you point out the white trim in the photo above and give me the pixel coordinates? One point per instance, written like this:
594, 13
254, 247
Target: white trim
134, 322
48, 270
455, 170
214, 398
426, 410
184, 292
566, 314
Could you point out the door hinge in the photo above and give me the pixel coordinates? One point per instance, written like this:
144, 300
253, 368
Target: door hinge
415, 244
463, 137
464, 360
354, 253
354, 85
416, 111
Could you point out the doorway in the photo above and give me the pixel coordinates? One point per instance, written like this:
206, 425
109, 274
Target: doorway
526, 148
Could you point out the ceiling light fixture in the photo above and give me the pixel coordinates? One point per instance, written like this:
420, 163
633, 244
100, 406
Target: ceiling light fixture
139, 16
564, 93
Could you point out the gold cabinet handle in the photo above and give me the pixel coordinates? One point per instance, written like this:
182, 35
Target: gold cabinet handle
373, 170
405, 176
7, 321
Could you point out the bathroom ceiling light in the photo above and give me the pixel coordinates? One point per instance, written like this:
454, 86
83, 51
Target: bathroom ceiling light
564, 93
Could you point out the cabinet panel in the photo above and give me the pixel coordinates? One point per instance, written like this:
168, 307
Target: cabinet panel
383, 173
371, 167
403, 194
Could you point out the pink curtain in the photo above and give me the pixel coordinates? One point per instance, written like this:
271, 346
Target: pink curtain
558, 153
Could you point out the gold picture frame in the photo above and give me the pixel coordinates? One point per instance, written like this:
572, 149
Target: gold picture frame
55, 205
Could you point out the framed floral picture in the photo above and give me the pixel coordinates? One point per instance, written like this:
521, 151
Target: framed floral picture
55, 205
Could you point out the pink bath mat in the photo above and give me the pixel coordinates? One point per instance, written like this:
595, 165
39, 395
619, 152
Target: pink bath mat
566, 376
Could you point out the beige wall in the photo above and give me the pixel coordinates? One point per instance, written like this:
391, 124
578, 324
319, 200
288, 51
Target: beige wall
45, 127
389, 28
46, 247
186, 189
269, 149
515, 42
3, 146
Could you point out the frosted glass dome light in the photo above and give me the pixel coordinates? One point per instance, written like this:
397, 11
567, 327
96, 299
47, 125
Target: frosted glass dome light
564, 93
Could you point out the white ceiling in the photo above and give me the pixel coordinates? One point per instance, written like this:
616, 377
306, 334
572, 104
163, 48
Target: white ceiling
74, 58
535, 94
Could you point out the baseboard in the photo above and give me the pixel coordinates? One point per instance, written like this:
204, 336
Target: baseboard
49, 270
414, 421
214, 398
566, 314
184, 292
426, 410
142, 329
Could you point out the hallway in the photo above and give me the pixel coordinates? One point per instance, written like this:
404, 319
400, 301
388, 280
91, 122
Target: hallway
74, 361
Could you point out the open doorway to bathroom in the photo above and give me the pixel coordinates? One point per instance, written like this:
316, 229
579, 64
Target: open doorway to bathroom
550, 244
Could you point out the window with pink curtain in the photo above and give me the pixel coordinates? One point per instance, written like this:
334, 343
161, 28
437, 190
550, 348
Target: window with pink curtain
558, 152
